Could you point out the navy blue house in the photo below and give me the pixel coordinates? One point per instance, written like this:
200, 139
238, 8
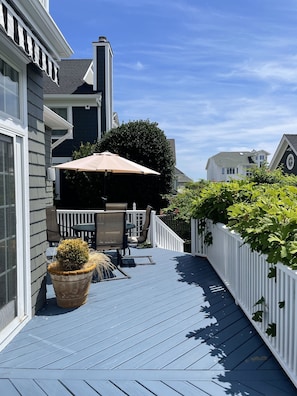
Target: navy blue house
286, 155
84, 98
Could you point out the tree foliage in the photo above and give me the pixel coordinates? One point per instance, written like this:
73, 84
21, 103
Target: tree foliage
181, 204
145, 143
139, 141
261, 208
81, 189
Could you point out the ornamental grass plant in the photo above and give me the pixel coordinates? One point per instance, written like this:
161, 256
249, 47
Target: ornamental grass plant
104, 265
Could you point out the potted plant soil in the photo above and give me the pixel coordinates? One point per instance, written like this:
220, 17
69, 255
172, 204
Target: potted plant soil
72, 272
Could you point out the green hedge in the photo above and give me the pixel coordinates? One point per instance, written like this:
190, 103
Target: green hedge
265, 215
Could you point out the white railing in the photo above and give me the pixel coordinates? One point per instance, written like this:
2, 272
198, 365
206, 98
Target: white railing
160, 235
245, 274
166, 238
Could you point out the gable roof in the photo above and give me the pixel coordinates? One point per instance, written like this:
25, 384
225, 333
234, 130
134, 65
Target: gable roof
181, 176
286, 140
235, 158
71, 78
231, 159
292, 141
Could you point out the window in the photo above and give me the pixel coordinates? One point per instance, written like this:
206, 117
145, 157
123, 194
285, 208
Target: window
9, 90
249, 172
232, 171
290, 161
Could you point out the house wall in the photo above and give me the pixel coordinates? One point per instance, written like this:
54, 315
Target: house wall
283, 162
85, 130
27, 54
212, 172
101, 76
39, 190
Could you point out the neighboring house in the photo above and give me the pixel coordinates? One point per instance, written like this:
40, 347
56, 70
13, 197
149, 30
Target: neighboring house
179, 178
84, 98
225, 166
30, 46
286, 155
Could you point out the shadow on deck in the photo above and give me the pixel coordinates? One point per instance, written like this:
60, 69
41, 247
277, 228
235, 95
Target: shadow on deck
171, 329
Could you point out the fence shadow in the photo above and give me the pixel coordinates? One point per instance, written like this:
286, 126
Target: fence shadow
234, 345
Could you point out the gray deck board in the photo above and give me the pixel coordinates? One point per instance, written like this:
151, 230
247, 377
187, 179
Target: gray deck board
171, 329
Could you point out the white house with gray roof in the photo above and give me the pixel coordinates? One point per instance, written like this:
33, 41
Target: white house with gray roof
226, 166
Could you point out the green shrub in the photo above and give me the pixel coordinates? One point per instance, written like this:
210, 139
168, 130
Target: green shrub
269, 223
215, 199
72, 254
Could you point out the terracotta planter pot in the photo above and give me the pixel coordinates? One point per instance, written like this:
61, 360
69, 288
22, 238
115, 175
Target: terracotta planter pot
71, 287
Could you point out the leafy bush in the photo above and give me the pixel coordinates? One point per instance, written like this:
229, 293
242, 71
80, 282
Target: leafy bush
181, 204
261, 208
215, 199
269, 223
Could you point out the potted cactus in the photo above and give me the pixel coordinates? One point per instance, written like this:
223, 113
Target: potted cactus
72, 272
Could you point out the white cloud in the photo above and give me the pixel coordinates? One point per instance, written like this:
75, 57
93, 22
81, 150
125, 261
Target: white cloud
216, 76
138, 66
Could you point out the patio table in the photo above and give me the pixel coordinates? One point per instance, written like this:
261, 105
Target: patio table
90, 227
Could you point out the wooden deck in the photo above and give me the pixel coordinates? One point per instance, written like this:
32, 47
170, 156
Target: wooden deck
171, 329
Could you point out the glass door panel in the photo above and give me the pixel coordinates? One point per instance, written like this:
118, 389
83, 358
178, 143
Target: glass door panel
8, 260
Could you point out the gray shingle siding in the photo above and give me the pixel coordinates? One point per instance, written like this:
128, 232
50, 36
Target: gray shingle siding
39, 195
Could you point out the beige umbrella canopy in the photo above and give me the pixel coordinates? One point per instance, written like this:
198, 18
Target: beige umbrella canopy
106, 163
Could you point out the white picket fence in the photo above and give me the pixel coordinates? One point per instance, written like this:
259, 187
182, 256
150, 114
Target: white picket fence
245, 274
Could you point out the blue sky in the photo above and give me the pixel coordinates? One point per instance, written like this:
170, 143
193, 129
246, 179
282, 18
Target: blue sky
217, 75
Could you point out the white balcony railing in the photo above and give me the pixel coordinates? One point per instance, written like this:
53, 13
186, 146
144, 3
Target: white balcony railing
160, 235
245, 274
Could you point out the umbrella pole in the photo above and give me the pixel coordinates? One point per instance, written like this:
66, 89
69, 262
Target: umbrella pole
104, 198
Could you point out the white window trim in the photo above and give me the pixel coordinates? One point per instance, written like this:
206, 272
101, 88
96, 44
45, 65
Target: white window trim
290, 161
17, 129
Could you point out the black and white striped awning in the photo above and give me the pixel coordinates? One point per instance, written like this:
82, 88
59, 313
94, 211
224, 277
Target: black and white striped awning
24, 38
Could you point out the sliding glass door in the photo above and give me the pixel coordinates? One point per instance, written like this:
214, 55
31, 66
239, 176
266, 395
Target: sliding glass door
8, 256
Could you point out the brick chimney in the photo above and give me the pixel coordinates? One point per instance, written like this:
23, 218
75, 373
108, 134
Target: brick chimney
103, 80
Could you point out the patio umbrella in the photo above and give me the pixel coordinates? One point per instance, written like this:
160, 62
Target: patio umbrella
106, 163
